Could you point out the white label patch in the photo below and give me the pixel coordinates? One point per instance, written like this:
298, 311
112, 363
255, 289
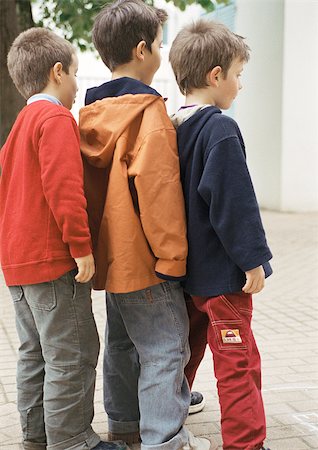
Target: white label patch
231, 337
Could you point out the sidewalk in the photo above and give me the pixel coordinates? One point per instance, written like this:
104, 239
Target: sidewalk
285, 326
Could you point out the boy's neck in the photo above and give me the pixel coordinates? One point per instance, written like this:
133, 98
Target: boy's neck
127, 70
199, 97
51, 90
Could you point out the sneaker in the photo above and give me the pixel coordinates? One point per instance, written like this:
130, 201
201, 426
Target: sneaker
130, 438
117, 445
197, 402
196, 443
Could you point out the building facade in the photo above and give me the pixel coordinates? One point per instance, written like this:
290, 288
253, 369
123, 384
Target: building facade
277, 108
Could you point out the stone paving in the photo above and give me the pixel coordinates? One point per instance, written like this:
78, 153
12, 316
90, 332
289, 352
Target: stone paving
285, 317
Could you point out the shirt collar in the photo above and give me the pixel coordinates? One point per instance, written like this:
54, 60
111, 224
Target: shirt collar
49, 98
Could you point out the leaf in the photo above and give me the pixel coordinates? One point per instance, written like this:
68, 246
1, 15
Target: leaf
75, 17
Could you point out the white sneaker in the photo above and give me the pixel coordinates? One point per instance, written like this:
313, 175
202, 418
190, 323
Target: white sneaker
197, 402
196, 443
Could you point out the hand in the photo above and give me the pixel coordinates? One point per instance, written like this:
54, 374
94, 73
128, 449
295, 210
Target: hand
86, 268
255, 280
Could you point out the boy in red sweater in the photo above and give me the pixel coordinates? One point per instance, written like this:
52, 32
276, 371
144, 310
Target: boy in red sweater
45, 249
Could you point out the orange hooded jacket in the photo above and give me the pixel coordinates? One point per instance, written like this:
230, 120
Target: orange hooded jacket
133, 189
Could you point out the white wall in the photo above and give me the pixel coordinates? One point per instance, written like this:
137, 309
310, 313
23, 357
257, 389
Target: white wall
300, 107
278, 108
258, 108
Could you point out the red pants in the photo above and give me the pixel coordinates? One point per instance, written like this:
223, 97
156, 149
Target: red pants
224, 322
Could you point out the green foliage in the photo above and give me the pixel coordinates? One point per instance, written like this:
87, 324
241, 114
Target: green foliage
208, 5
75, 17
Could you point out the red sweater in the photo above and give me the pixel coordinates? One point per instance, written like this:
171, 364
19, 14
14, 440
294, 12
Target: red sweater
43, 219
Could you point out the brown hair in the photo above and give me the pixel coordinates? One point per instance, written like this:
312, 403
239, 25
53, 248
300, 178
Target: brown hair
31, 57
120, 26
201, 46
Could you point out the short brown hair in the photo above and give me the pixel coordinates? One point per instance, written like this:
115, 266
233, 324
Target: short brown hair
31, 57
201, 46
120, 26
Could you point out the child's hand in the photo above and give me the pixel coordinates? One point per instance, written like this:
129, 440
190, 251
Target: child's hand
255, 280
86, 268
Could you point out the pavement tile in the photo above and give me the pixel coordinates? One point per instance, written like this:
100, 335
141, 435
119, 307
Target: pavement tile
290, 354
280, 397
305, 406
288, 444
311, 367
311, 441
285, 316
204, 417
312, 377
9, 446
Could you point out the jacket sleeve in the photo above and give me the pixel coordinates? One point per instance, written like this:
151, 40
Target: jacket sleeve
226, 187
62, 180
161, 203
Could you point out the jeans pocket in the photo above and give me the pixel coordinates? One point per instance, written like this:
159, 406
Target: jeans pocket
82, 290
41, 296
16, 293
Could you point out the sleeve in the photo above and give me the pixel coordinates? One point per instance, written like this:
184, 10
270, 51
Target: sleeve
226, 187
161, 203
62, 180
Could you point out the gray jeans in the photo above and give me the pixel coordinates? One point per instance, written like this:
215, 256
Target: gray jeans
56, 368
146, 350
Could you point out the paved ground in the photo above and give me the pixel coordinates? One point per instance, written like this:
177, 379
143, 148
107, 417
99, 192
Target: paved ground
285, 325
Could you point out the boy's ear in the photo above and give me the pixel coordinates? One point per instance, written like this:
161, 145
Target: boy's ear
56, 72
140, 50
213, 76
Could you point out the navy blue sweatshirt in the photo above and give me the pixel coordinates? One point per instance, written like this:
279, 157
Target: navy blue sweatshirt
225, 233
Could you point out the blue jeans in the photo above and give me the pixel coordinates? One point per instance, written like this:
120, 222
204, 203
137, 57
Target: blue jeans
56, 368
146, 351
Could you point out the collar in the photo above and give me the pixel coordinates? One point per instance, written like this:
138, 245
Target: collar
49, 98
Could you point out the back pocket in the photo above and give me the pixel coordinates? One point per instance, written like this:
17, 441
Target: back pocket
16, 293
41, 296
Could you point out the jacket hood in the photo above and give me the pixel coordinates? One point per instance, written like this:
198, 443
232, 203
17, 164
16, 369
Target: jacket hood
184, 113
110, 110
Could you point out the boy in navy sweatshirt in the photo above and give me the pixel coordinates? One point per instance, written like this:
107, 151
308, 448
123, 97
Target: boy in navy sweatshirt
228, 254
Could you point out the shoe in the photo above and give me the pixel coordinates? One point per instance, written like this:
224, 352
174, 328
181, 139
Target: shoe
196, 443
117, 445
130, 438
197, 402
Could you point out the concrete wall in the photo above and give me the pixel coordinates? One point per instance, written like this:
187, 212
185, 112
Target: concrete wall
299, 182
258, 108
278, 109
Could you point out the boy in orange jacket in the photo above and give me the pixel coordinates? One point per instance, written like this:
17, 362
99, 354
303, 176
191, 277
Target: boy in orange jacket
136, 211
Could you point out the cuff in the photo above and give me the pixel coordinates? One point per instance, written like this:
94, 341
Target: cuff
79, 250
267, 269
169, 277
172, 269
